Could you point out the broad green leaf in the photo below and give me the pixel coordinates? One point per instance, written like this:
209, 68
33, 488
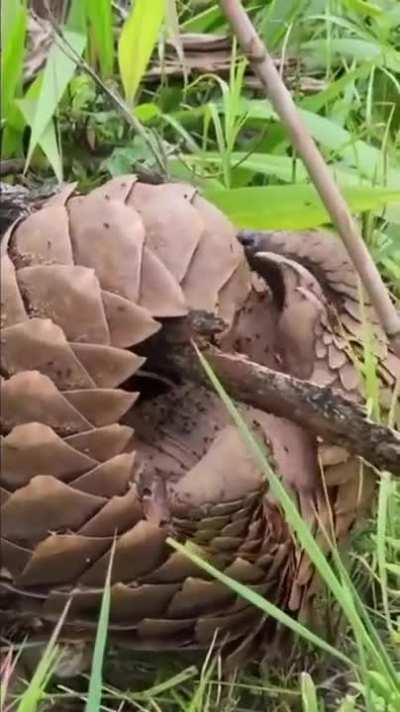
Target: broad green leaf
59, 69
9, 12
13, 52
291, 206
99, 14
48, 139
137, 41
147, 111
363, 7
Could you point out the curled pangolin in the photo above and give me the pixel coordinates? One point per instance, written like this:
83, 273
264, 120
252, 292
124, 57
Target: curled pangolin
86, 283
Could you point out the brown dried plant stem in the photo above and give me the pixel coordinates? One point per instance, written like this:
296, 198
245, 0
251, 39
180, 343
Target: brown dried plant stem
263, 66
318, 409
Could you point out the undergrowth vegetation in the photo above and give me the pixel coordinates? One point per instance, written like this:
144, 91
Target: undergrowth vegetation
104, 101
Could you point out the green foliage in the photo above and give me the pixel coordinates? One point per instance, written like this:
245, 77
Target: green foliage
13, 33
58, 72
101, 39
291, 206
136, 43
35, 691
95, 691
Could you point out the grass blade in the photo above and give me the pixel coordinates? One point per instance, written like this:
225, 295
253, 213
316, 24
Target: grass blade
48, 662
96, 674
257, 600
339, 589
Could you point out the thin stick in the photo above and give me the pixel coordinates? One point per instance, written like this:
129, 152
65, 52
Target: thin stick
263, 66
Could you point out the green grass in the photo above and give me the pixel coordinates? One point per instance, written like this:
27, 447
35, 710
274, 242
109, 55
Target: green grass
217, 132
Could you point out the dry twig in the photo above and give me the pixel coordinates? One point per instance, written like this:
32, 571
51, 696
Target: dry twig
319, 409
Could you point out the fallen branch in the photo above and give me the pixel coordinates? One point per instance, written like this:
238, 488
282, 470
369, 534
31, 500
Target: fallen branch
263, 66
320, 410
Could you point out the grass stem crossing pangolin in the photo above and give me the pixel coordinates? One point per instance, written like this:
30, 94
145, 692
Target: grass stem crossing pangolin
92, 450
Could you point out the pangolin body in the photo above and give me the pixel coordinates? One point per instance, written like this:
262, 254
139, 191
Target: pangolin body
86, 282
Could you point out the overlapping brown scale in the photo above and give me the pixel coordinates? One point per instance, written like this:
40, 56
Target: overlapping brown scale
4, 495
12, 307
61, 558
349, 377
103, 442
43, 238
14, 558
127, 271
62, 197
33, 449
128, 323
173, 226
137, 552
177, 567
83, 603
108, 366
160, 293
108, 236
118, 514
118, 188
337, 357
70, 296
41, 345
109, 478
233, 625
144, 601
173, 633
324, 254
218, 240
32, 397
245, 572
198, 597
101, 406
184, 439
306, 337
46, 504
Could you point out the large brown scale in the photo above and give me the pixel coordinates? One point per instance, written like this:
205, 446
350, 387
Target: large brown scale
86, 281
